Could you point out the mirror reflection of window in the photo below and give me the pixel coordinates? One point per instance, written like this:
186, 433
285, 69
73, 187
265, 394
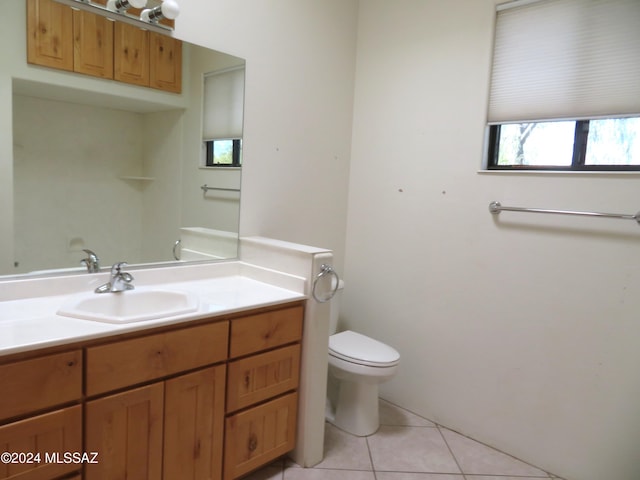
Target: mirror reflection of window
224, 153
223, 116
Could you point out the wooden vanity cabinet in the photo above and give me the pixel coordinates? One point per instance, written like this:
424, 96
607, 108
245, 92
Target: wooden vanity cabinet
171, 429
173, 426
262, 396
34, 420
174, 404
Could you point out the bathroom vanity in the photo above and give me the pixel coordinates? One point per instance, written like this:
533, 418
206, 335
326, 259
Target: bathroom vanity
210, 395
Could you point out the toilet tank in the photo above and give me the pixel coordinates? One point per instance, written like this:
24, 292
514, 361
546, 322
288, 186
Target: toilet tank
334, 306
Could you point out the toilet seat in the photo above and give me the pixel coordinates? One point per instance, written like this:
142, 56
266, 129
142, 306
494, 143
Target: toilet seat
357, 348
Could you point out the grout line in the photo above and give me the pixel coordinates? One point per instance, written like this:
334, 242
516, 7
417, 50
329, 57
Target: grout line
373, 467
455, 459
549, 474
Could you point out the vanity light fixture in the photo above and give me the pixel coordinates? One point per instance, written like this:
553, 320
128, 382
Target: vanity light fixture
121, 6
167, 9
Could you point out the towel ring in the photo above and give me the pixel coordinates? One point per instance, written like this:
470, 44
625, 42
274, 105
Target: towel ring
325, 270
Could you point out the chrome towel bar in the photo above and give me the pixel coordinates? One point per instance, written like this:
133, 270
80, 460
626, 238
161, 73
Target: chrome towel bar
205, 188
497, 207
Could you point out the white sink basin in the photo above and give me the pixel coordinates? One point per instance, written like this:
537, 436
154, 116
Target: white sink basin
129, 306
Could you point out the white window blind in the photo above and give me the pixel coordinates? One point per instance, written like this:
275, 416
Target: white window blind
565, 59
223, 105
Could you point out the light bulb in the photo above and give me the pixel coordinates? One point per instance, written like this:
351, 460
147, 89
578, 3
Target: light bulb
168, 9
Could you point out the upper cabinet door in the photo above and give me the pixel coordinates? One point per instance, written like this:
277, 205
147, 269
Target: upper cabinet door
50, 34
165, 63
131, 54
93, 44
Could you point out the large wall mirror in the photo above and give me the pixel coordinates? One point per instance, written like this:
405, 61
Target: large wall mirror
108, 167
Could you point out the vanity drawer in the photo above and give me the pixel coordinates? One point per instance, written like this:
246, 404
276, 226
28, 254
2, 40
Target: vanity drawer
259, 377
267, 330
138, 360
49, 436
40, 383
260, 434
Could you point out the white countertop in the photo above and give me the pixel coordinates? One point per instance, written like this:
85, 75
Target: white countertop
30, 322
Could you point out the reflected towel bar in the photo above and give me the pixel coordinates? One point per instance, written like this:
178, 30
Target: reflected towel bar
496, 208
206, 188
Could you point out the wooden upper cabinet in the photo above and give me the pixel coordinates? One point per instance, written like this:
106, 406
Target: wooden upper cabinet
50, 34
165, 63
92, 44
131, 54
84, 42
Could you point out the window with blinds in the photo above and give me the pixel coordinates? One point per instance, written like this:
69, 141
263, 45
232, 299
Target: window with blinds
565, 86
223, 113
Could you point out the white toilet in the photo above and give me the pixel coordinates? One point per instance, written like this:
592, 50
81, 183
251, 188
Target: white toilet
357, 365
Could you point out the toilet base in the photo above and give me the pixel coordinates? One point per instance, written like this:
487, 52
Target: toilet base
357, 408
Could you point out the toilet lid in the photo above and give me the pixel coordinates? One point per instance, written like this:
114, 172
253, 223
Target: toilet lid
357, 348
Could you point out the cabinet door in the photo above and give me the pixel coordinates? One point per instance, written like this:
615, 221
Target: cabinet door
127, 431
50, 436
259, 435
193, 425
92, 44
165, 63
50, 34
131, 54
259, 377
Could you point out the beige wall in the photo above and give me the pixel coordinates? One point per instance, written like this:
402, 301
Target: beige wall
522, 332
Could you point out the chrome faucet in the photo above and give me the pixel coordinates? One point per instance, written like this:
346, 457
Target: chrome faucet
119, 281
92, 262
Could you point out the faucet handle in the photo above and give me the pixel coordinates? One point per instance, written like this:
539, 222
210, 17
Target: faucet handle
117, 267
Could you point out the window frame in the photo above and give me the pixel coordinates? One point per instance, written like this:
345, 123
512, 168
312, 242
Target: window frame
581, 134
236, 155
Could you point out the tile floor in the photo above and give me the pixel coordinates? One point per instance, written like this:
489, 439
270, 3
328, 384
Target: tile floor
406, 447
